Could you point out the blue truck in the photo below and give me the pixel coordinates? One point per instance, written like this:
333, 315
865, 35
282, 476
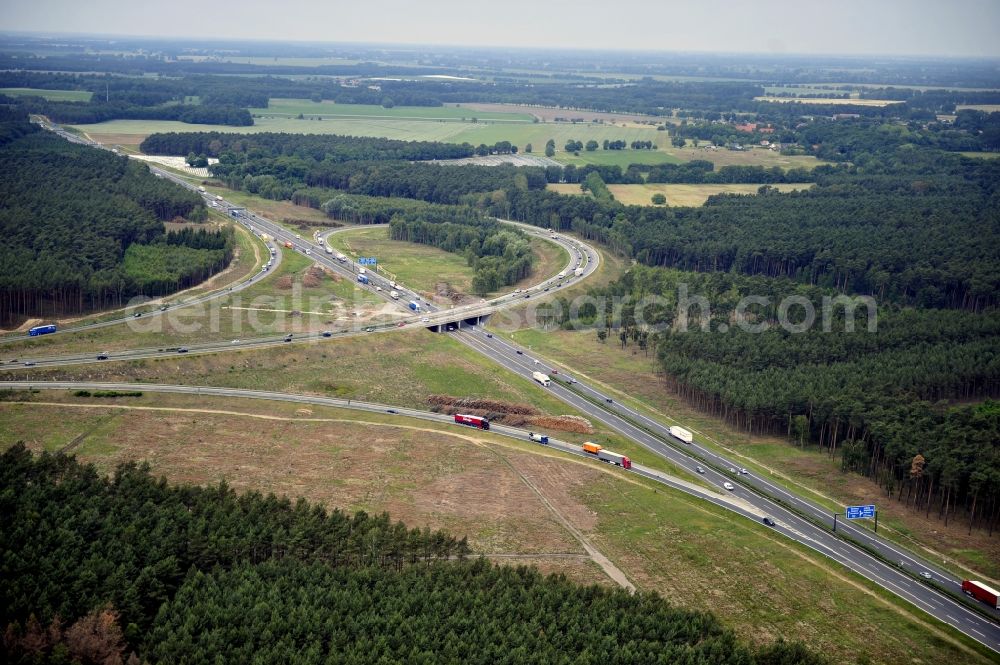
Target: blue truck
363, 279
414, 305
42, 330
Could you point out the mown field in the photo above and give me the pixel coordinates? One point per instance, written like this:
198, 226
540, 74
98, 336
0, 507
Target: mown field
287, 107
509, 498
677, 195
427, 268
51, 95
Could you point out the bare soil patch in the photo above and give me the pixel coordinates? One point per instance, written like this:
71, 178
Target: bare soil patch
509, 413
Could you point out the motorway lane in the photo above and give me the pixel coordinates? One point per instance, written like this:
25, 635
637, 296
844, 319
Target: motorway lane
156, 311
611, 414
886, 549
787, 523
939, 604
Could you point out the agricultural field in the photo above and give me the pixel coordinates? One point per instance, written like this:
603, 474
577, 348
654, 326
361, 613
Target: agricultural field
834, 102
285, 107
981, 155
432, 271
549, 114
622, 158
985, 108
132, 132
677, 195
514, 501
50, 95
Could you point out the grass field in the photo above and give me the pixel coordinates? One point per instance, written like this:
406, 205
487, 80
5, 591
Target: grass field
419, 267
425, 268
622, 158
632, 375
677, 195
132, 132
293, 107
981, 155
986, 108
509, 498
51, 95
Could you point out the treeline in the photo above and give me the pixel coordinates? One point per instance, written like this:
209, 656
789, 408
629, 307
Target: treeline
316, 147
69, 215
878, 397
908, 225
498, 255
699, 171
79, 113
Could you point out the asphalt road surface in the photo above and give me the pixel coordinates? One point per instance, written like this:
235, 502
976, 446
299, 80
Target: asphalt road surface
753, 496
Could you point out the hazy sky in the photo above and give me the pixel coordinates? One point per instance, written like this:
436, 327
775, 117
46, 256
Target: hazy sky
902, 27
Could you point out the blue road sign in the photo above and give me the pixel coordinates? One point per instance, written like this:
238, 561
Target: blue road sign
367, 260
860, 512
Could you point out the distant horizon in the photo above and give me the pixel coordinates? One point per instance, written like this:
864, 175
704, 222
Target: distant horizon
486, 47
851, 28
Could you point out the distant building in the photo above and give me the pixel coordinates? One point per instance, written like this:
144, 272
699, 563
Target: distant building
845, 116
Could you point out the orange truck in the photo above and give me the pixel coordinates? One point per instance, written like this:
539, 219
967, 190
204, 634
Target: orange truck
288, 244
607, 455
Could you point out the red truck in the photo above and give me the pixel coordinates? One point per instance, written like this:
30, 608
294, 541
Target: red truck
981, 592
472, 421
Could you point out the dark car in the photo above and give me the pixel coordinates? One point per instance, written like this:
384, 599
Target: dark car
183, 349
520, 352
29, 363
137, 314
527, 295
102, 356
391, 411
288, 339
768, 521
327, 333
608, 400
490, 335
163, 308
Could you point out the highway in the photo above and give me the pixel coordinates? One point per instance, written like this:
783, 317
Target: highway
895, 569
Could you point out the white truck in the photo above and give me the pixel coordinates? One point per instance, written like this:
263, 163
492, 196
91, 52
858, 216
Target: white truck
329, 250
538, 438
341, 257
361, 271
681, 434
395, 295
578, 272
561, 275
319, 240
542, 378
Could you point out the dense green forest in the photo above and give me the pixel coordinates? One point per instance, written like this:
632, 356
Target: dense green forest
888, 400
100, 567
83, 228
314, 147
908, 225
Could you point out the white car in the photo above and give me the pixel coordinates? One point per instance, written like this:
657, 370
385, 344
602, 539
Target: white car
425, 320
728, 486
